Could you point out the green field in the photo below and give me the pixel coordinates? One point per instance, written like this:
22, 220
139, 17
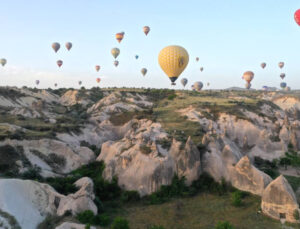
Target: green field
201, 212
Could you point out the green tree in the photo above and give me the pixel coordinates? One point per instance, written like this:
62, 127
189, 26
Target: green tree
224, 225
120, 223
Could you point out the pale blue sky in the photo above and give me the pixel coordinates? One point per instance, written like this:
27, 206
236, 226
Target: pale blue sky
229, 36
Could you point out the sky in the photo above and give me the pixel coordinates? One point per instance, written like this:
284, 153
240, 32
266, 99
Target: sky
229, 36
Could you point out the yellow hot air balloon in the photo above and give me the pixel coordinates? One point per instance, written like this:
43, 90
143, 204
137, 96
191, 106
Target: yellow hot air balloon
173, 60
115, 52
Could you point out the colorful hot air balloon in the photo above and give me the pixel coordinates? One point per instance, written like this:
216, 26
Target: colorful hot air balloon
115, 52
79, 82
69, 45
98, 80
59, 63
198, 86
184, 81
297, 17
116, 63
263, 65
173, 60
97, 67
3, 62
55, 46
37, 82
281, 64
144, 71
283, 85
248, 76
55, 85
120, 36
146, 30
201, 69
248, 86
136, 57
197, 59
282, 75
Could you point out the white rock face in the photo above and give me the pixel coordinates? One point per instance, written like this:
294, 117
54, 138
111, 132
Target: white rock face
30, 202
142, 164
246, 177
68, 225
80, 201
53, 156
279, 200
71, 97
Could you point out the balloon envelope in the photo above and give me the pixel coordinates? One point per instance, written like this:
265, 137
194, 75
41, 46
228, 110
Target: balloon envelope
248, 76
146, 30
3, 62
201, 69
136, 56
116, 63
184, 81
198, 86
173, 60
98, 80
248, 85
59, 63
263, 65
115, 52
37, 82
281, 64
97, 67
120, 36
282, 75
144, 71
69, 45
283, 85
197, 59
79, 82
55, 46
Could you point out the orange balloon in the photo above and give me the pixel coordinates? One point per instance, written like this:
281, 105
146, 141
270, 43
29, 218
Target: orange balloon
120, 36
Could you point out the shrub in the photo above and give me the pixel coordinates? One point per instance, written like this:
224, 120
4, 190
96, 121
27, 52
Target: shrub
102, 220
86, 217
224, 225
145, 149
130, 196
156, 227
120, 223
296, 214
236, 198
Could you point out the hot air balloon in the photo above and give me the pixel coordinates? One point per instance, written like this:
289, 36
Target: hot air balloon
173, 60
69, 45
79, 82
201, 69
281, 64
248, 86
116, 63
197, 59
282, 75
97, 67
37, 82
115, 52
98, 80
144, 71
198, 86
55, 85
297, 17
283, 85
120, 36
184, 81
59, 63
248, 76
3, 62
208, 84
55, 46
136, 57
263, 65
146, 30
